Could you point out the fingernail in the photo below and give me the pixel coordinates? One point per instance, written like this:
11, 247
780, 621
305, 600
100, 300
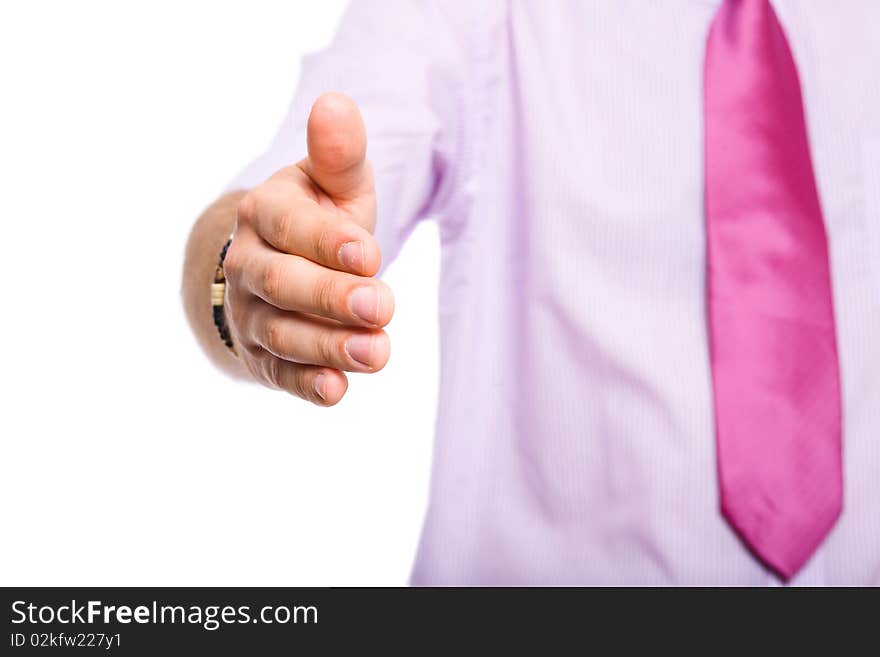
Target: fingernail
360, 348
351, 255
318, 383
364, 302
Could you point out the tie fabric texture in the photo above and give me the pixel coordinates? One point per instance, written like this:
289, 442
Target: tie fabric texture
775, 369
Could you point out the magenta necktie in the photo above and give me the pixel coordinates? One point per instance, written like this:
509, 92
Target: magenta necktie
773, 345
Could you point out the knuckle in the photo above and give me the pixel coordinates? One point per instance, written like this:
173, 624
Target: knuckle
275, 335
270, 283
282, 228
325, 295
323, 241
327, 348
296, 383
246, 211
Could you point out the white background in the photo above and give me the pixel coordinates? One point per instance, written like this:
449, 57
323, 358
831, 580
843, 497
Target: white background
126, 460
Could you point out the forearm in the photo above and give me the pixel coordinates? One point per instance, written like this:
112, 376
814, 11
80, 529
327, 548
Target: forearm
207, 237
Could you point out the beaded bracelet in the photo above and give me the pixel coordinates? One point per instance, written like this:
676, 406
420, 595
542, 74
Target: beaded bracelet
218, 296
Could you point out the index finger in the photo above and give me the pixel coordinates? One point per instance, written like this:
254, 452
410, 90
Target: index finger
292, 222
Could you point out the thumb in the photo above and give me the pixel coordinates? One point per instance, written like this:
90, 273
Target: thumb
337, 142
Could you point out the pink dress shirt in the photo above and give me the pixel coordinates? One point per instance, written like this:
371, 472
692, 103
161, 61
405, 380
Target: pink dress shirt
558, 146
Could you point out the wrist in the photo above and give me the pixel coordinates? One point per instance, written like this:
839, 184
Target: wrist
205, 242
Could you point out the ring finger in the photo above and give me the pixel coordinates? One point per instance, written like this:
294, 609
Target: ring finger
310, 340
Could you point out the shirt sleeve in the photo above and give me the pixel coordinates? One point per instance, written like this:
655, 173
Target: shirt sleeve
399, 61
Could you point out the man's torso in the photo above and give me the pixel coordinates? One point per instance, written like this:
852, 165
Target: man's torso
575, 432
